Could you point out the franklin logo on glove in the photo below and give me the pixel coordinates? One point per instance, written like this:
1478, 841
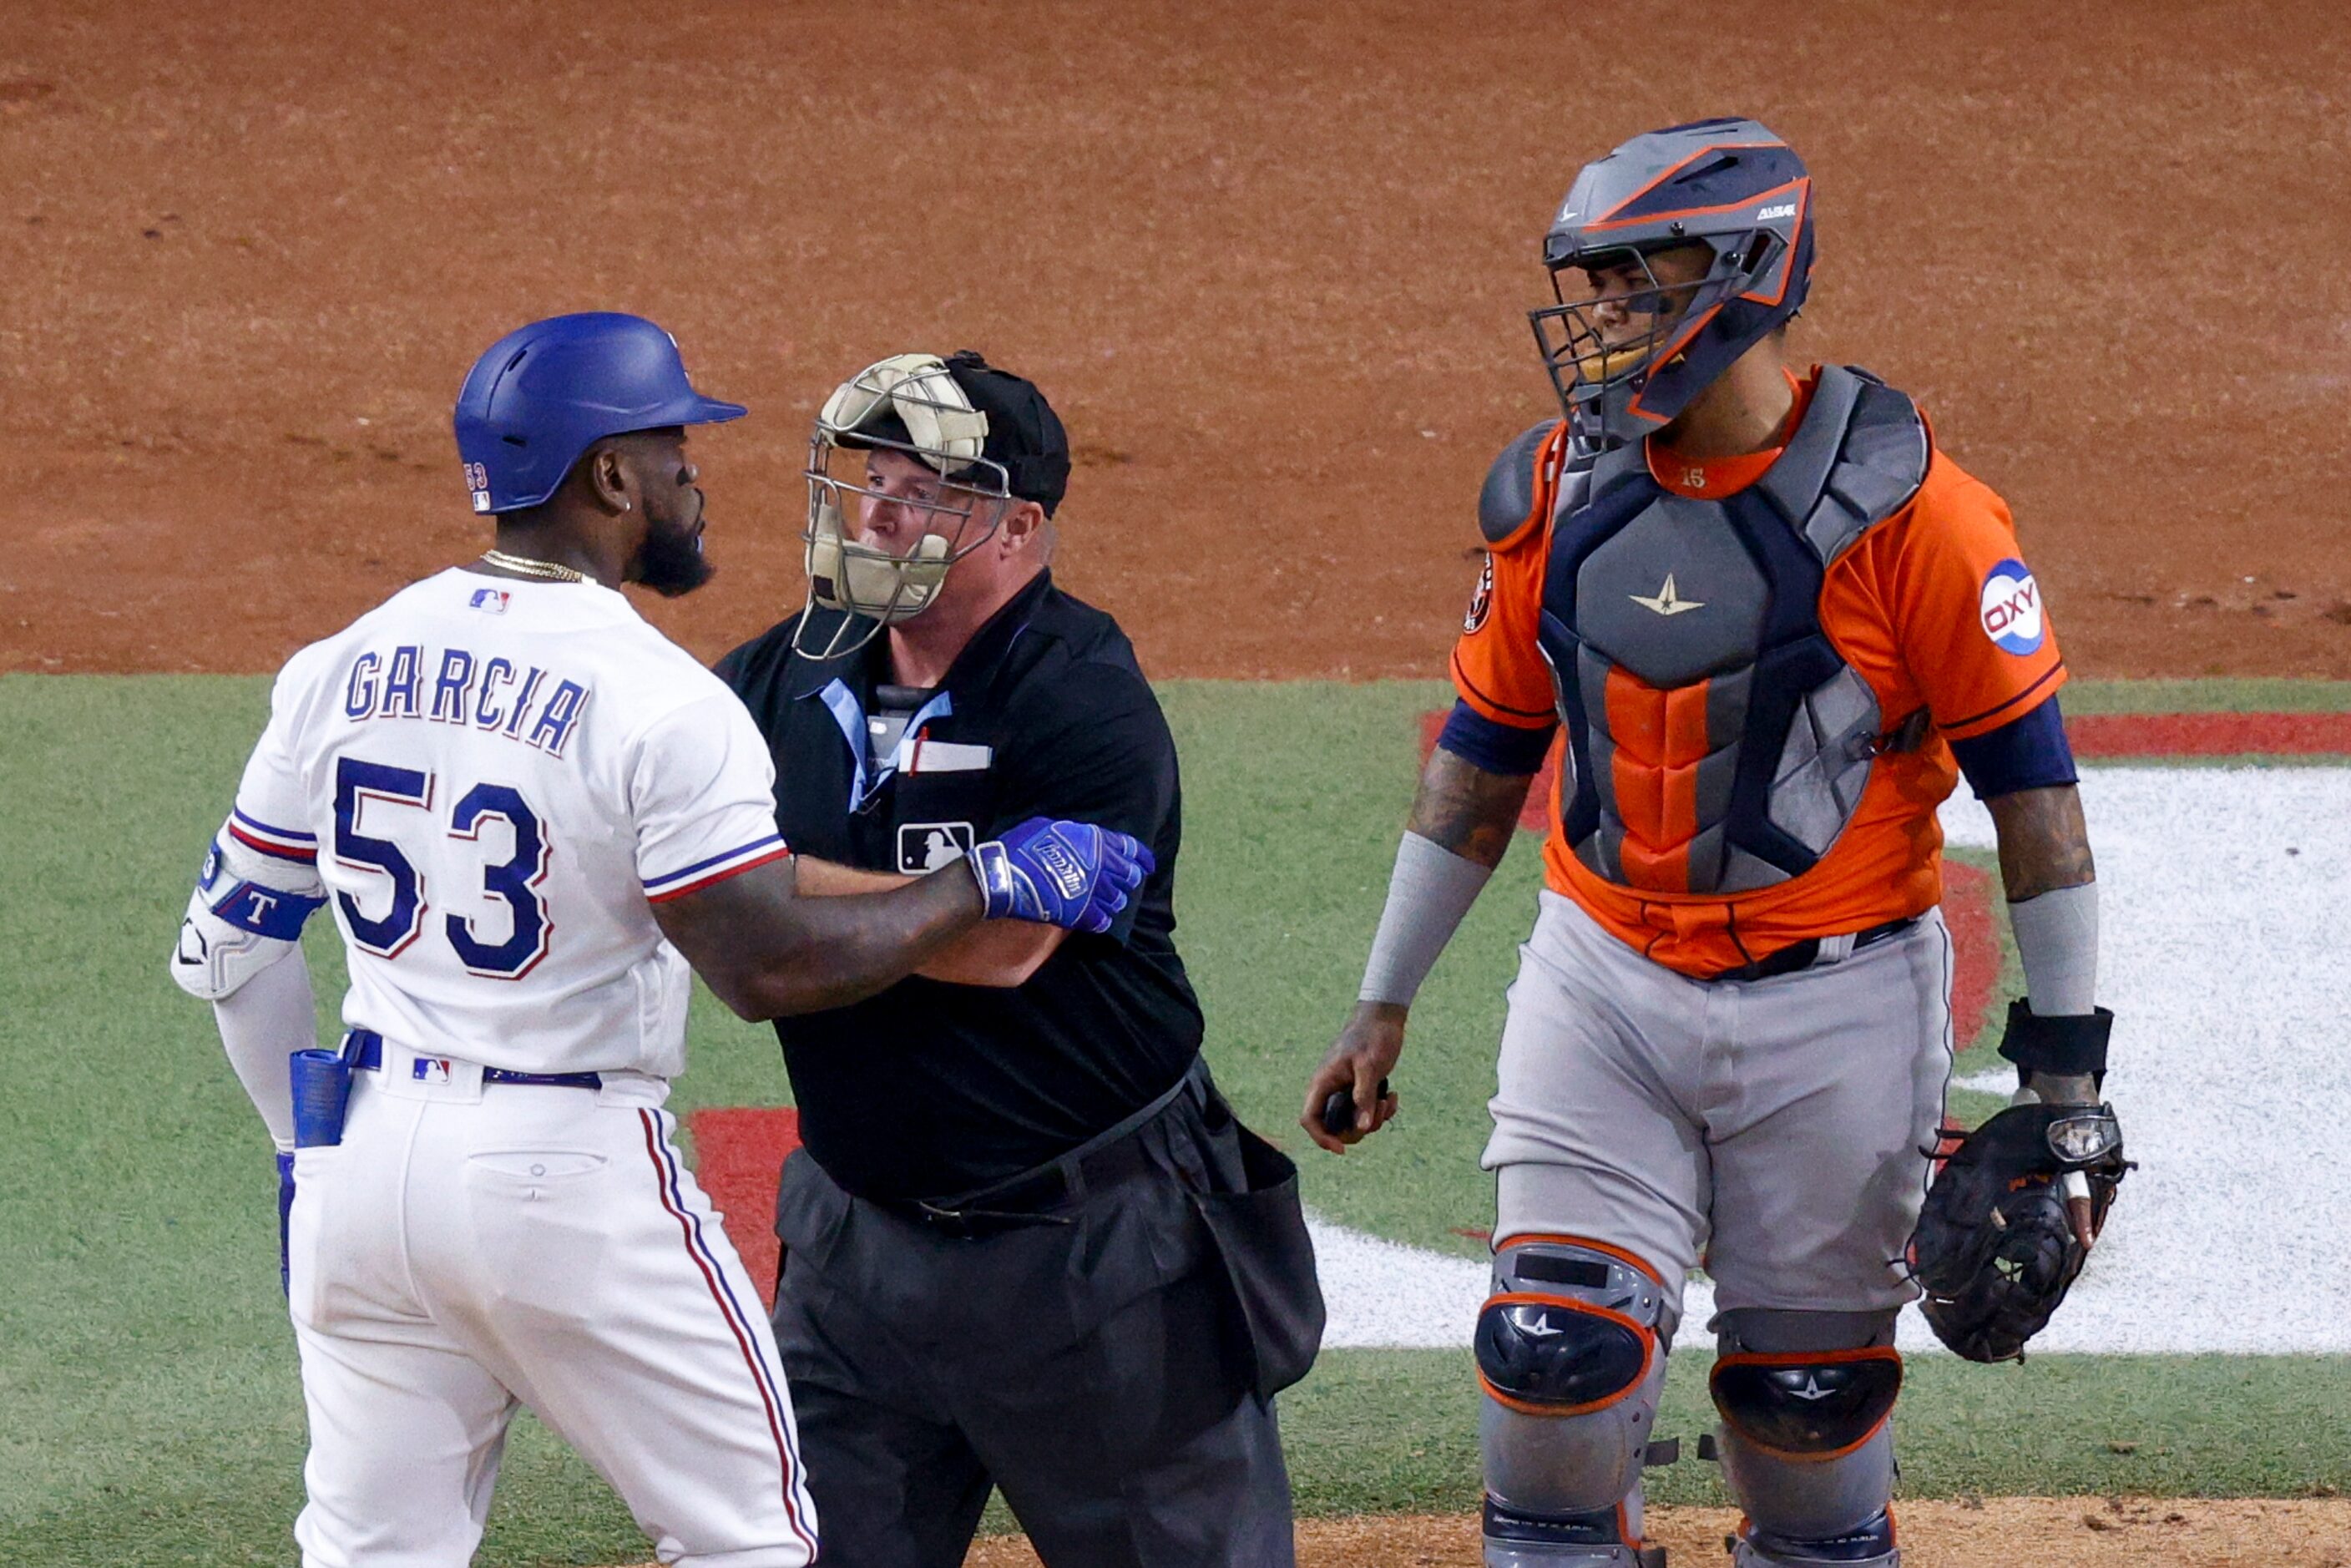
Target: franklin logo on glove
1056, 862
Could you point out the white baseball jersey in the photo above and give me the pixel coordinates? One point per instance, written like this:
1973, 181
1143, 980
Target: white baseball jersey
497, 780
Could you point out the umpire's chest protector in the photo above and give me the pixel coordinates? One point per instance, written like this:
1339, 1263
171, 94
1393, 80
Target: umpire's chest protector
1716, 741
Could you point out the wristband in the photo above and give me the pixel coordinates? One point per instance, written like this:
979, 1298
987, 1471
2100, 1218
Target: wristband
1430, 891
993, 870
2067, 1045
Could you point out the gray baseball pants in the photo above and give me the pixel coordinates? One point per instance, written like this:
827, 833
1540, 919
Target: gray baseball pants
1769, 1130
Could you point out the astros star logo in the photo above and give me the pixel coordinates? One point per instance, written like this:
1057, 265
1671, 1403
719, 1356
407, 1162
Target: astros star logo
1667, 602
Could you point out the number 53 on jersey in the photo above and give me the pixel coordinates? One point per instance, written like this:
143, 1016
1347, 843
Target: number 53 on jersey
380, 809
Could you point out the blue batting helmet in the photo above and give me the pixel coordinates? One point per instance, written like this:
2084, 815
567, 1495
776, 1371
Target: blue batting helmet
545, 394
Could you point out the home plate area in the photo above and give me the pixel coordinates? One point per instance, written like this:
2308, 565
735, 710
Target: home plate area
2226, 904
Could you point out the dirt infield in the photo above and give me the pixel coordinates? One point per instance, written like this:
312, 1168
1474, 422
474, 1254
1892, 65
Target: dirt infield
1995, 1532
1998, 1532
1270, 259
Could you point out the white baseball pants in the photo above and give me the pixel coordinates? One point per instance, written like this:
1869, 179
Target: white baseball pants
466, 1248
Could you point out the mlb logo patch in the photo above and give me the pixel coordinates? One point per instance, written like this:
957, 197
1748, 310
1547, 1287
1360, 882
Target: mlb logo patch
430, 1069
927, 846
492, 601
2011, 608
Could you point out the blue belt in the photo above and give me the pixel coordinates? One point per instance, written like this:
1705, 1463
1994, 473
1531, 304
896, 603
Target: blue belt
365, 1047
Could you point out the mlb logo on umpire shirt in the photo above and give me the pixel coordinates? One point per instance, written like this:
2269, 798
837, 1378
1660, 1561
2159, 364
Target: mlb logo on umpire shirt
927, 846
492, 599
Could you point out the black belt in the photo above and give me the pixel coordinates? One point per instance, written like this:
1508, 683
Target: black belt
1035, 1197
1806, 954
365, 1048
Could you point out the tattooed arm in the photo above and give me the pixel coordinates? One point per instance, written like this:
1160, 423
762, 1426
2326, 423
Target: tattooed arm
1462, 807
767, 949
2045, 844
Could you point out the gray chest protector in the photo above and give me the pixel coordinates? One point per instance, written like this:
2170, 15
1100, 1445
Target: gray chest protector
1716, 741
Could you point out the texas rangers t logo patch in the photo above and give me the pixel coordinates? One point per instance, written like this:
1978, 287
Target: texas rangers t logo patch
2011, 608
927, 846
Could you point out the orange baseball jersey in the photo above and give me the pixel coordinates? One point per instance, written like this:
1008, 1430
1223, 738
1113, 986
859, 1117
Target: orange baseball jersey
1929, 605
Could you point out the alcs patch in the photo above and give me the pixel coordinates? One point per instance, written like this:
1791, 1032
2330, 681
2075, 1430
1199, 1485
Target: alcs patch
2009, 606
1481, 598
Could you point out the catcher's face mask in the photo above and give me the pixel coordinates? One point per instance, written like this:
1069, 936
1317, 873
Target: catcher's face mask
1623, 312
1671, 257
897, 447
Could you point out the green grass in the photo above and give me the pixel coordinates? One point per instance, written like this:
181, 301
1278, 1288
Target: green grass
1284, 869
151, 1409
1387, 1429
2257, 694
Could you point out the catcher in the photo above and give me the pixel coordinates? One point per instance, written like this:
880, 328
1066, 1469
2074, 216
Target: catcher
1776, 623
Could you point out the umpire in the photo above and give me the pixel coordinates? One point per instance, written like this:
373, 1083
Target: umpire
1026, 1242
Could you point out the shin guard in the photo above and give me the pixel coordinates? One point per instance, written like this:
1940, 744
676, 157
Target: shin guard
1806, 1441
1570, 1356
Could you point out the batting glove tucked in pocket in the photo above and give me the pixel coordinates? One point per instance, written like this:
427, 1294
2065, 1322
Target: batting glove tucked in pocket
1071, 875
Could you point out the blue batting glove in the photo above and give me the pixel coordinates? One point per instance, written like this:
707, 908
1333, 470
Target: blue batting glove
284, 1218
1071, 875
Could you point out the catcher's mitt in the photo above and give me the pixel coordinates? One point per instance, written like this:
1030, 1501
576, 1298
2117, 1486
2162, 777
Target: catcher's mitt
1996, 1246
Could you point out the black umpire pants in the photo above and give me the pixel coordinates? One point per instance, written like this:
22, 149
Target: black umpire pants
1095, 1368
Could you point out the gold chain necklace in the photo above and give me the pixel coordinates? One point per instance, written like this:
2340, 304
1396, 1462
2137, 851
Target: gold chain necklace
523, 566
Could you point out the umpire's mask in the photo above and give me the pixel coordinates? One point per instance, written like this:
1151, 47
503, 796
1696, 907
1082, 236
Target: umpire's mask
910, 404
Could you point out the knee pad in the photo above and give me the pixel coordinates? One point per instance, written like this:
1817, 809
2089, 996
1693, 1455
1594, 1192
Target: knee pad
1570, 1360
1806, 1443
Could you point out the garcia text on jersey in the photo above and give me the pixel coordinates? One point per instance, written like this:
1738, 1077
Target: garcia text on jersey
528, 704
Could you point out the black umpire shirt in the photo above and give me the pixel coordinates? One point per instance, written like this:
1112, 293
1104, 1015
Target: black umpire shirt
930, 1090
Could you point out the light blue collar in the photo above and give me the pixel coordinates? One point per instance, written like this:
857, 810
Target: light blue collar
851, 716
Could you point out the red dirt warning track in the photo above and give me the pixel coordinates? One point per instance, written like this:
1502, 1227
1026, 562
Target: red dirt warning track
2211, 735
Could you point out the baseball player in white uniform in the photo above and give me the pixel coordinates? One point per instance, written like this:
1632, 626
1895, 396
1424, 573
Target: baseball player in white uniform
530, 811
